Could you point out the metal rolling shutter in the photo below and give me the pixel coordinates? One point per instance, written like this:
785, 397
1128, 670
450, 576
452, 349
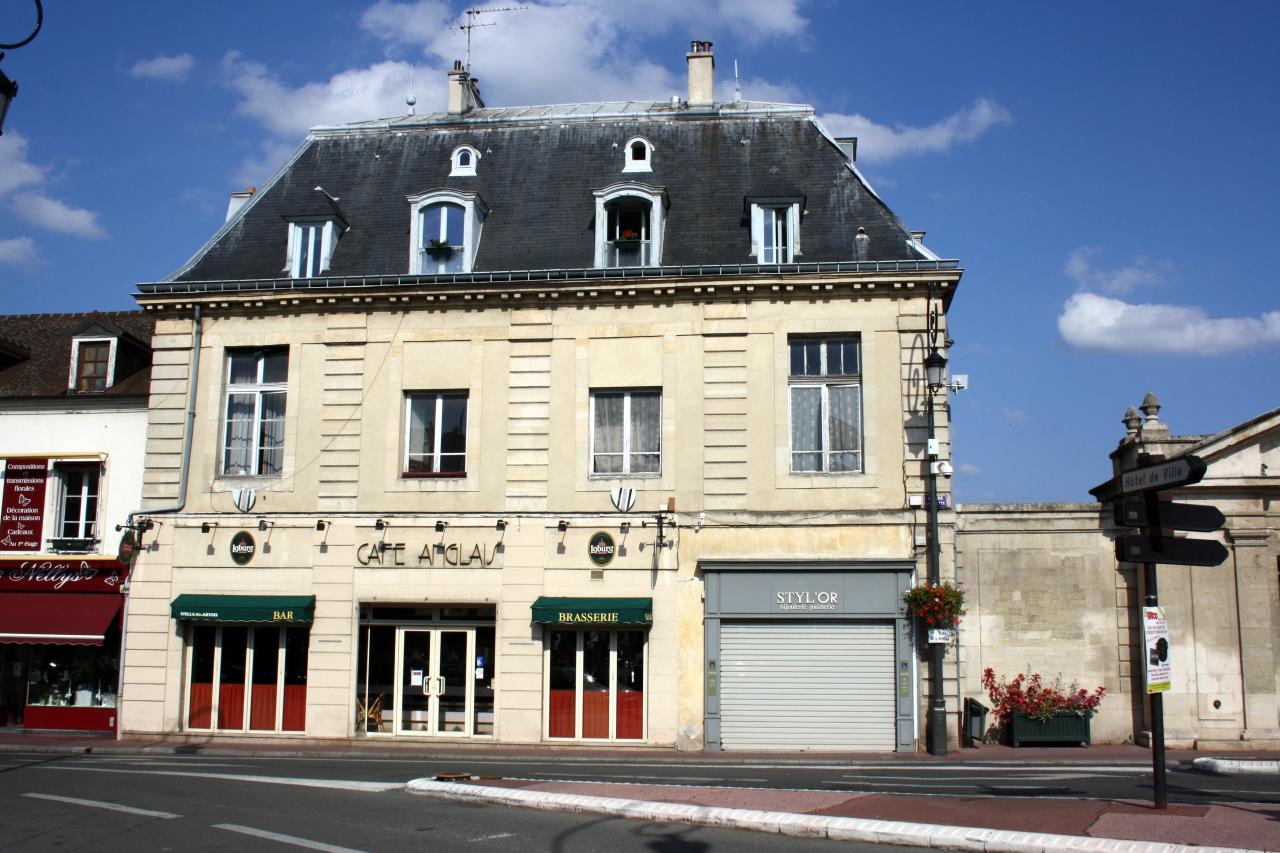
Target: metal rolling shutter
814, 685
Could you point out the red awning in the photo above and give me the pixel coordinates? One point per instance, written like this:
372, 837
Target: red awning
69, 618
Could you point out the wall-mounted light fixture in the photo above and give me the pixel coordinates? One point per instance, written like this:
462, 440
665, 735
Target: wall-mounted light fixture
562, 526
501, 525
440, 526
206, 526
625, 527
320, 525
379, 525
262, 524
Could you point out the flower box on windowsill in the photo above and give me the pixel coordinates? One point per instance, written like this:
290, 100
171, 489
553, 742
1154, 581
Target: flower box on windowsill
72, 546
1060, 728
627, 245
438, 253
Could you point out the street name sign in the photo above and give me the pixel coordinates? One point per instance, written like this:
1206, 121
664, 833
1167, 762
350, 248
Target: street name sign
1166, 549
1174, 516
1166, 475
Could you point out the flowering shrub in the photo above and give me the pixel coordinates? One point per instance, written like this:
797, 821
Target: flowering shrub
1040, 701
939, 606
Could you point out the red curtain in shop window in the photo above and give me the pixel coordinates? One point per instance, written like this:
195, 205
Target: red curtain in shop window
231, 706
262, 707
200, 705
561, 713
295, 708
631, 714
595, 713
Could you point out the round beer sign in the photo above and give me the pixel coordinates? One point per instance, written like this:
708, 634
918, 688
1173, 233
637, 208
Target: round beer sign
600, 548
243, 548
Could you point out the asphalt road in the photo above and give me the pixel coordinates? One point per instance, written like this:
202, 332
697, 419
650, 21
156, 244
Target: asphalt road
192, 803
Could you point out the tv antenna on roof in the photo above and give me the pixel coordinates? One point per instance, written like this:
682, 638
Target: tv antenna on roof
471, 24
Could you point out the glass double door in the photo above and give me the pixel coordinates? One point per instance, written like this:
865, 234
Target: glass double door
445, 681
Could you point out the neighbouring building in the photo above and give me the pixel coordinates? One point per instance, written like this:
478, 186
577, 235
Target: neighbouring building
594, 423
73, 423
1046, 593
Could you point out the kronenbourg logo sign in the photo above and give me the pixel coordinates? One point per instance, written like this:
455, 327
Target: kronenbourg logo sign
600, 548
243, 548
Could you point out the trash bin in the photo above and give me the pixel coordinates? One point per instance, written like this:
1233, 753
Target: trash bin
975, 721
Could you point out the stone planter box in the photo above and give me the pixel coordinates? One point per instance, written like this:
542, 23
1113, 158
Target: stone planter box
1060, 728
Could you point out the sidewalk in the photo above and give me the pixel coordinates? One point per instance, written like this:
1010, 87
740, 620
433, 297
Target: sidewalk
967, 823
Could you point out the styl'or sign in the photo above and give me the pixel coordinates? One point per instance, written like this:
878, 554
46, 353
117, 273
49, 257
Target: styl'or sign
22, 504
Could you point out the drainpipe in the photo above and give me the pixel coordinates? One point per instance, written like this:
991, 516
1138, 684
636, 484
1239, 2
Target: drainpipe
196, 338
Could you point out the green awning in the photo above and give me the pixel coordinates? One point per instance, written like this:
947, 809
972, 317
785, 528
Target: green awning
243, 608
593, 611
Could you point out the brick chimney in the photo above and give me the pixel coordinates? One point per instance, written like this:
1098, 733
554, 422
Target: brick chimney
702, 74
464, 91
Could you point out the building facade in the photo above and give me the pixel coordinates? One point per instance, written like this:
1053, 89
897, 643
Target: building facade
590, 423
73, 421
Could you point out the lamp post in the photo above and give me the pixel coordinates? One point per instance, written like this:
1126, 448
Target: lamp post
935, 370
8, 87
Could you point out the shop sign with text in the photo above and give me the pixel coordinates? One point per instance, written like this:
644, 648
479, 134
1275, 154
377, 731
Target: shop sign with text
62, 575
437, 555
807, 601
22, 505
243, 548
600, 548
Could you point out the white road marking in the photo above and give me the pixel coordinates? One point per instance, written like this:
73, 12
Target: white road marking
493, 837
285, 839
976, 777
151, 762
340, 784
98, 804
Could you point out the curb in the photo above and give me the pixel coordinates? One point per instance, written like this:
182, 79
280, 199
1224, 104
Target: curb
814, 826
1232, 767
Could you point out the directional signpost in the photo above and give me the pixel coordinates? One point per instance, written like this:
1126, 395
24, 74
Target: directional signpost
1151, 546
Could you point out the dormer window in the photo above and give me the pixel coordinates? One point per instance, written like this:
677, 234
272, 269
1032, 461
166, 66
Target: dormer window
629, 224
445, 231
638, 157
464, 161
775, 231
91, 364
311, 245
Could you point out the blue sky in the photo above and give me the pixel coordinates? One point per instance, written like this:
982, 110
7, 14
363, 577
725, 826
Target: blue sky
1104, 172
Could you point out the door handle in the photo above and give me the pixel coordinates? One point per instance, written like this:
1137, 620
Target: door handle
440, 685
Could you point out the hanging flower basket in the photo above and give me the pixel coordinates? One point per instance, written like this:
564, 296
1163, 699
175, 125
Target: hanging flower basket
936, 606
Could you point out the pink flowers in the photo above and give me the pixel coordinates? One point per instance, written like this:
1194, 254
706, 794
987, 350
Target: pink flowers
1040, 701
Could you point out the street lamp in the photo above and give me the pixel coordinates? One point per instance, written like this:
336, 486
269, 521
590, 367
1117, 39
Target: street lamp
8, 87
935, 372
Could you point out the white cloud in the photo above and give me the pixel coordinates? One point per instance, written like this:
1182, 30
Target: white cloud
1092, 322
174, 68
878, 142
1013, 416
20, 252
15, 170
968, 469
54, 215
1080, 269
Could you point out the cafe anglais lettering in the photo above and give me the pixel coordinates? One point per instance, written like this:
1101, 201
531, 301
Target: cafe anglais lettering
432, 555
591, 618
807, 600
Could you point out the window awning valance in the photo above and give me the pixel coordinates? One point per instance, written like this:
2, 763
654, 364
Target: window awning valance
68, 618
593, 611
243, 608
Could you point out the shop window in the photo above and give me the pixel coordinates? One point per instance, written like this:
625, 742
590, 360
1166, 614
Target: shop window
247, 678
595, 684
64, 676
77, 506
826, 405
436, 434
91, 367
253, 437
626, 432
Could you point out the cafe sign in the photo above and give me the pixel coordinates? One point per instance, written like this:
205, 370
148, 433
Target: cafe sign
62, 575
22, 504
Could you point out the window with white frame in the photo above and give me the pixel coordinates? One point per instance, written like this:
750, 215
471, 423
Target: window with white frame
775, 232
826, 405
436, 433
629, 224
445, 231
311, 245
463, 162
78, 500
91, 362
253, 434
626, 432
638, 156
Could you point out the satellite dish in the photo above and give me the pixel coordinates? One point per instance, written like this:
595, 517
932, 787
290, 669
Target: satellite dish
623, 498
245, 499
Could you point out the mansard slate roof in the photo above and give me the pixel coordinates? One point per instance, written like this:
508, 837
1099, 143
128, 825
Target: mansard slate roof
35, 352
538, 169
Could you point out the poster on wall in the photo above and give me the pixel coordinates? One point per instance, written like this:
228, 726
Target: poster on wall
22, 504
1156, 658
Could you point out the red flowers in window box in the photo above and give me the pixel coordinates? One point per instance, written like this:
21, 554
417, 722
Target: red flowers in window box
936, 606
1028, 694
